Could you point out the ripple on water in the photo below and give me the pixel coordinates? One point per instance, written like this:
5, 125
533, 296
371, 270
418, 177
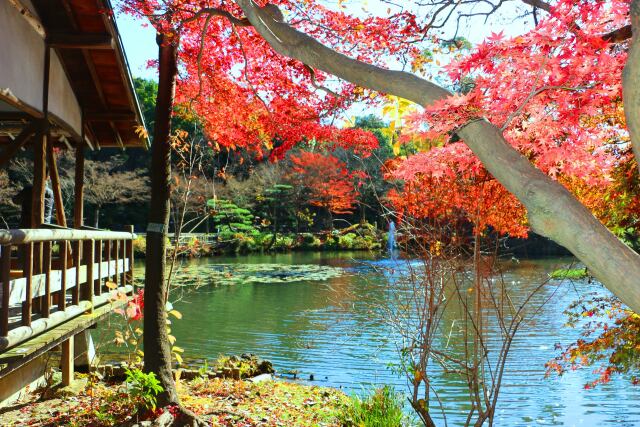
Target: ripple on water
326, 327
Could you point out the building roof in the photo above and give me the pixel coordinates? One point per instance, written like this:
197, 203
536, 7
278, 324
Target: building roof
84, 36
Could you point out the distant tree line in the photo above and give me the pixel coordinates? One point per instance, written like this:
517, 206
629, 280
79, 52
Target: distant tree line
313, 188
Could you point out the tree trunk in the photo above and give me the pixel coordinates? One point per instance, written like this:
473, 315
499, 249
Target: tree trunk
552, 210
157, 350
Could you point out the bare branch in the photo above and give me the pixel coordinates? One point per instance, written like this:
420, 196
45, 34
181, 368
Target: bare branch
246, 71
538, 4
212, 11
535, 93
619, 35
315, 84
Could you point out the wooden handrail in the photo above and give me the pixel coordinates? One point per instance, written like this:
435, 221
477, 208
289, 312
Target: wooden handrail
27, 235
58, 286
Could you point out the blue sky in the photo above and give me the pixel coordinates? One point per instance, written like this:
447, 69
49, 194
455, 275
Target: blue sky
140, 46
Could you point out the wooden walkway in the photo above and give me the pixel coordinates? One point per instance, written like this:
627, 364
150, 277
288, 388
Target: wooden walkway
48, 296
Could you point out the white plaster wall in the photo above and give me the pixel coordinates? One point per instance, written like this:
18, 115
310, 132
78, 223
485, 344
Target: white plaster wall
22, 67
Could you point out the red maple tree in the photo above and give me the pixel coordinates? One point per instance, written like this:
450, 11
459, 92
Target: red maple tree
326, 179
556, 93
528, 119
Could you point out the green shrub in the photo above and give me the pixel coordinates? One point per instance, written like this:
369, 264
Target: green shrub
263, 239
309, 241
366, 242
383, 408
140, 246
331, 242
246, 243
143, 387
283, 242
346, 241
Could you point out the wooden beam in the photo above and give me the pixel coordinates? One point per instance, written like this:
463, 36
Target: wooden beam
80, 41
19, 142
78, 204
116, 135
39, 178
14, 116
40, 150
110, 116
28, 16
61, 218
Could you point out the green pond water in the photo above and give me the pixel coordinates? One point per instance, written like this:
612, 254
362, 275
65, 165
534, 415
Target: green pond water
321, 314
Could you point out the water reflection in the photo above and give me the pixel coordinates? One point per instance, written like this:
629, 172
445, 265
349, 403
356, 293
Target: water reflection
331, 329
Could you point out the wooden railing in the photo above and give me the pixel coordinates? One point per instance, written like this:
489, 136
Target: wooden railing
50, 276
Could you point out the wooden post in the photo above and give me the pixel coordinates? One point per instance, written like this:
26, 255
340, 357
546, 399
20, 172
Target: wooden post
39, 173
27, 307
89, 258
116, 253
123, 257
78, 204
37, 269
130, 256
62, 296
46, 308
107, 251
98, 286
77, 257
40, 149
6, 281
67, 361
61, 218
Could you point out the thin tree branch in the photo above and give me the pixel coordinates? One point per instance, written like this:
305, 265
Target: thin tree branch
212, 11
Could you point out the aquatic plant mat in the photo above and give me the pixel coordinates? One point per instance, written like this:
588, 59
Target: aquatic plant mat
220, 402
235, 274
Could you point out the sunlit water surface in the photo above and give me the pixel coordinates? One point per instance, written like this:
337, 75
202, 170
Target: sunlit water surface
330, 327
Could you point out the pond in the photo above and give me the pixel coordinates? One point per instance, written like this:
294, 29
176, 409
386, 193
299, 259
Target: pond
315, 313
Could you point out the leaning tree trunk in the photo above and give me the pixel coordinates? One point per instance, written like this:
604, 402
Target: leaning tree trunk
157, 350
552, 210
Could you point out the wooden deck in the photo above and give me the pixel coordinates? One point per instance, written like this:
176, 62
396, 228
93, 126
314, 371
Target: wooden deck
21, 354
50, 296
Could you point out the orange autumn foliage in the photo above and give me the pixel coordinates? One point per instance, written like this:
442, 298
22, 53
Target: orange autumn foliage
327, 181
